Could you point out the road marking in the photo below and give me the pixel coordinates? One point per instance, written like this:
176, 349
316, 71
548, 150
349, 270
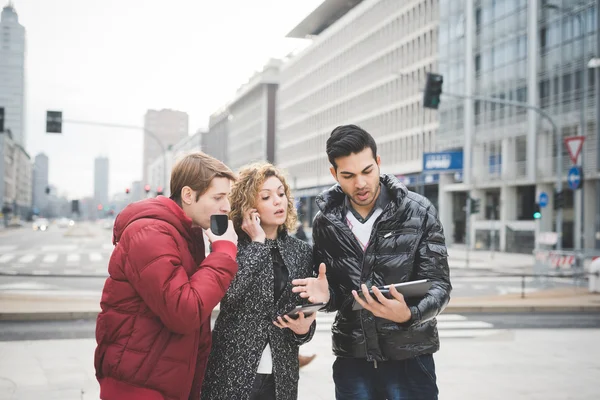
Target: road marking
94, 257
464, 325
6, 258
50, 258
40, 272
73, 258
27, 258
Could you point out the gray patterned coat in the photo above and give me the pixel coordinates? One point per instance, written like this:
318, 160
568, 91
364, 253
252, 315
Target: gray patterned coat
245, 323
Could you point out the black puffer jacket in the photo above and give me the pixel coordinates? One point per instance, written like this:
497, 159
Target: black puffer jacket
407, 243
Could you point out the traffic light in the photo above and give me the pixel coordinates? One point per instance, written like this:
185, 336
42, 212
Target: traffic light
47, 190
147, 188
1, 119
433, 91
100, 207
127, 190
53, 121
75, 206
159, 191
559, 200
537, 211
475, 205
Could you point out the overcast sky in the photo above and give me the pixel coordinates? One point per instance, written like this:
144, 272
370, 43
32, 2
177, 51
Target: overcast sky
111, 60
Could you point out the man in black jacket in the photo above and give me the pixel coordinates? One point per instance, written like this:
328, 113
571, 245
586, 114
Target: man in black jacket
372, 231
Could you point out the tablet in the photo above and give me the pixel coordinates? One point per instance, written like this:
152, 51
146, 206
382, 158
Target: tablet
307, 309
407, 289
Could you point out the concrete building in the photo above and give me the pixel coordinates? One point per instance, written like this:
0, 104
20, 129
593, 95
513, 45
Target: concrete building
366, 66
101, 181
169, 127
251, 120
15, 177
214, 142
517, 50
40, 181
155, 169
12, 73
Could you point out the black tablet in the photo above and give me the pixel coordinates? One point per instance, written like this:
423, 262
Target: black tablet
407, 289
307, 309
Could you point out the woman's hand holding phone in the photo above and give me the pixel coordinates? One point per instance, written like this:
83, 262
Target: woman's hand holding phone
300, 325
251, 225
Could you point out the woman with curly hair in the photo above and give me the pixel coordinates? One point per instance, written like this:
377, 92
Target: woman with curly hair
255, 351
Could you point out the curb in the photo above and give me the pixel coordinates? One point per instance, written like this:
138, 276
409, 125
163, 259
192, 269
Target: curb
501, 309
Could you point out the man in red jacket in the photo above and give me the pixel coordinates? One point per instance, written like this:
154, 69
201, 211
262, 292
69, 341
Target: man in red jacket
153, 332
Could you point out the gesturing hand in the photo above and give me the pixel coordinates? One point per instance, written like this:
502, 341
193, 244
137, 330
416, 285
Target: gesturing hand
315, 289
300, 325
394, 309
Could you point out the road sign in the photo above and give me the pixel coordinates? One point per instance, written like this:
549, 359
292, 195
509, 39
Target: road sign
574, 145
574, 177
543, 200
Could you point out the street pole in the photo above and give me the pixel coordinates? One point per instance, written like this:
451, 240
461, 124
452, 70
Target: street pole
137, 128
597, 83
559, 160
579, 244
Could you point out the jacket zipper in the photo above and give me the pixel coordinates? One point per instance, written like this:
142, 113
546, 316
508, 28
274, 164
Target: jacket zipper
364, 254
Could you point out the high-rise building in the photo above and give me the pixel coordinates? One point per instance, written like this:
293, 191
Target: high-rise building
530, 52
155, 169
366, 65
168, 126
101, 171
12, 73
15, 177
251, 120
40, 182
214, 142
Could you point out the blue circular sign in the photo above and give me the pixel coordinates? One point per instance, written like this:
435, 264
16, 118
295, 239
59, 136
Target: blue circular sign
543, 200
574, 177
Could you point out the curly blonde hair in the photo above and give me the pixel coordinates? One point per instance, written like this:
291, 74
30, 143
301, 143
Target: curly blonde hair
244, 194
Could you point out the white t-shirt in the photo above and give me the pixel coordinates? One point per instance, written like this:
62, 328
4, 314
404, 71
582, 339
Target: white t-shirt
362, 231
265, 366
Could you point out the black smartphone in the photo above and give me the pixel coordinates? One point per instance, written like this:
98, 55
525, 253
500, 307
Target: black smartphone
219, 224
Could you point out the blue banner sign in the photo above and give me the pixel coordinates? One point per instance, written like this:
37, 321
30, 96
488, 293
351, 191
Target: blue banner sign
447, 161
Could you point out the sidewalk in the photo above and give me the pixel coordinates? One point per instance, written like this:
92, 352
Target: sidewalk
45, 305
520, 365
489, 260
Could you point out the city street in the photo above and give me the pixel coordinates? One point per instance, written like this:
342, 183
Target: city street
451, 326
75, 260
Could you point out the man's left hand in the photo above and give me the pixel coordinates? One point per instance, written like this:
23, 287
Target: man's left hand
394, 309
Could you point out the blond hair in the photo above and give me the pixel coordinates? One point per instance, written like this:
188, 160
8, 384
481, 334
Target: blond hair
244, 194
197, 170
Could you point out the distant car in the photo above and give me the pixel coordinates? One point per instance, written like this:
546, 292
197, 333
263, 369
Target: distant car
65, 223
41, 224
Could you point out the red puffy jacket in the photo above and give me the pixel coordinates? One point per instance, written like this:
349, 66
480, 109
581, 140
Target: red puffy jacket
153, 332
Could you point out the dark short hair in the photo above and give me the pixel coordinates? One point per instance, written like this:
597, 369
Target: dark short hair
348, 139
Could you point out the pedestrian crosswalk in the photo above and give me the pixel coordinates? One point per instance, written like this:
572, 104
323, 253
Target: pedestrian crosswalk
450, 326
74, 261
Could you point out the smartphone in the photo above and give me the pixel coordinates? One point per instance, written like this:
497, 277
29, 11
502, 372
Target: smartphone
307, 309
219, 224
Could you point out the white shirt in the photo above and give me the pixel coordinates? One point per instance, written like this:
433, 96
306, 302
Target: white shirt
265, 366
362, 231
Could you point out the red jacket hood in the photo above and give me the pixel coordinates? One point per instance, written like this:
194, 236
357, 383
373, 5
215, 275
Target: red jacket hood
159, 208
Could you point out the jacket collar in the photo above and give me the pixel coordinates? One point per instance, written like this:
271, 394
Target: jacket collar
332, 200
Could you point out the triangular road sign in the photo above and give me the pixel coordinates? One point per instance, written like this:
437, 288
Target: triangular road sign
574, 145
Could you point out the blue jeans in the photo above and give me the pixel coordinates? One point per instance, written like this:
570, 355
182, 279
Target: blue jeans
411, 379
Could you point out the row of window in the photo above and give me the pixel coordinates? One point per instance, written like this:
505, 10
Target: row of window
413, 19
386, 66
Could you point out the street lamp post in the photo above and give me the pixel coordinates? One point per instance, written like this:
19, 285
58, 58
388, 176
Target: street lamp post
582, 117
